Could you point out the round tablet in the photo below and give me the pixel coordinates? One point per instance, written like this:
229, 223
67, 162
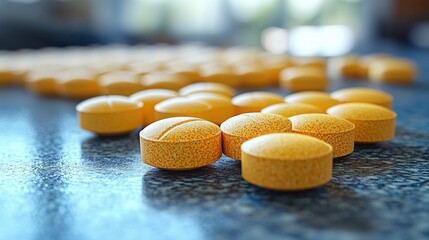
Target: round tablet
42, 82
143, 67
373, 123
101, 68
164, 80
180, 143
363, 95
222, 107
333, 130
321, 100
207, 87
300, 78
182, 107
291, 109
255, 101
243, 127
286, 161
369, 59
317, 62
347, 66
274, 64
150, 98
7, 76
77, 84
110, 115
251, 75
393, 70
219, 73
120, 83
187, 69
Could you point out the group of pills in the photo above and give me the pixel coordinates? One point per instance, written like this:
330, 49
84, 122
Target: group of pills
284, 143
185, 98
84, 72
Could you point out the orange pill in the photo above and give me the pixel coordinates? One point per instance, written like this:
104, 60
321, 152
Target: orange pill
187, 69
110, 115
317, 62
181, 107
207, 87
369, 59
339, 133
240, 128
42, 82
286, 161
120, 83
7, 76
164, 80
78, 84
373, 123
255, 101
299, 78
102, 68
393, 70
222, 107
218, 73
321, 100
150, 98
143, 67
291, 109
347, 66
180, 143
363, 95
251, 75
274, 64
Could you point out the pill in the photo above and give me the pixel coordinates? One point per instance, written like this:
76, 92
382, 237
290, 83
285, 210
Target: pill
317, 62
363, 95
238, 55
42, 82
143, 67
182, 107
240, 128
222, 107
164, 80
291, 109
207, 87
299, 78
150, 98
321, 100
339, 133
7, 77
13, 67
255, 101
367, 60
286, 161
120, 83
102, 68
78, 84
393, 70
347, 66
251, 75
274, 64
180, 143
187, 69
110, 115
373, 123
220, 73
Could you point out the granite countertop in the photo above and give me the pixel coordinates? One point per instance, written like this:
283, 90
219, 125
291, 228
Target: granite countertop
60, 182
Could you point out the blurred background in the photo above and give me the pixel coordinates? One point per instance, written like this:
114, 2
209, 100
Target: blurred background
301, 28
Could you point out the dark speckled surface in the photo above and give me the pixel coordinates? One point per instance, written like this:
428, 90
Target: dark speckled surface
59, 182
